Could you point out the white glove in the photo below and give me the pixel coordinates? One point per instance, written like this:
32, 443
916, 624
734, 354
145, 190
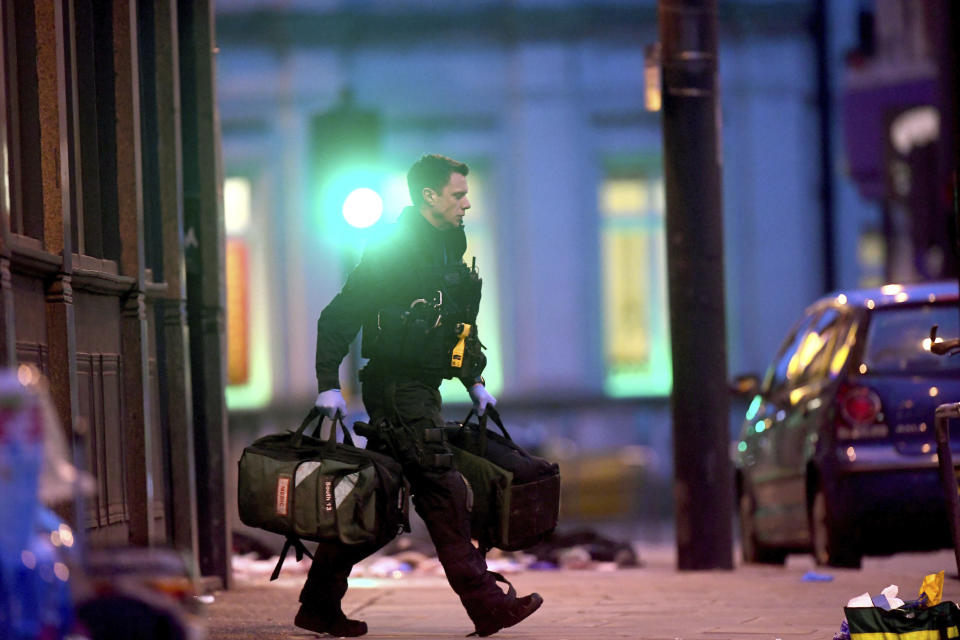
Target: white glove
481, 398
331, 402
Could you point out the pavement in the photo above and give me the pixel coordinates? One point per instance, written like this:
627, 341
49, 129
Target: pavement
652, 602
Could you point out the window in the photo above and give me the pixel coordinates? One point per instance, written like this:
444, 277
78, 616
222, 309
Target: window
249, 373
898, 340
633, 254
784, 370
22, 153
822, 344
95, 221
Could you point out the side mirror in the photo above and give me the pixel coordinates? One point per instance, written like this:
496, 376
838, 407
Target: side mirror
745, 384
943, 347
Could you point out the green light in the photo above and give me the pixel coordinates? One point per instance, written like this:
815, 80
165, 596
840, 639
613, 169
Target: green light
741, 446
362, 207
347, 205
760, 426
754, 408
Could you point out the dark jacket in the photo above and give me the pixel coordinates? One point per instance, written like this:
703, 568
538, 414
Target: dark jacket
393, 272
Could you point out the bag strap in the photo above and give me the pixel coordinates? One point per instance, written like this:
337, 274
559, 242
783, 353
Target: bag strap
511, 591
299, 550
403, 497
331, 439
489, 413
313, 414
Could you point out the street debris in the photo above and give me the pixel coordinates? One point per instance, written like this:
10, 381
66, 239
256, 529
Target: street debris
411, 556
887, 615
813, 576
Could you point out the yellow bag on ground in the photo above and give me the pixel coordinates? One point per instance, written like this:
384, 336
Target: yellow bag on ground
932, 586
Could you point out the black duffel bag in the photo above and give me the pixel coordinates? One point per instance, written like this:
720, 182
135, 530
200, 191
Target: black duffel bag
313, 488
516, 495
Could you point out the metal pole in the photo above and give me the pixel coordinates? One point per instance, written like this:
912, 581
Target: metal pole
700, 405
948, 478
821, 29
952, 107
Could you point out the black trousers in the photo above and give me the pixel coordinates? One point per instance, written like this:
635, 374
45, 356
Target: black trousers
440, 495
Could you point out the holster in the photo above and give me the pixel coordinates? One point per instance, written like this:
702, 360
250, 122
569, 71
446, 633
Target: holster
412, 444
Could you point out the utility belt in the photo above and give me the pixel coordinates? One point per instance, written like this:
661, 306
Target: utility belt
421, 338
428, 448
403, 429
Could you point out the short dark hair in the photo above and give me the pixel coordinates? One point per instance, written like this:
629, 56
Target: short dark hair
432, 171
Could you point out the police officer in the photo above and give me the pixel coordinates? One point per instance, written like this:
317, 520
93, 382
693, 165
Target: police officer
417, 303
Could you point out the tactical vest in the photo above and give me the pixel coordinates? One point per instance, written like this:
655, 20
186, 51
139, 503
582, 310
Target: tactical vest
435, 332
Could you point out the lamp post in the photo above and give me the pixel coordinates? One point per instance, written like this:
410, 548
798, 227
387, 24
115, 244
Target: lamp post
699, 401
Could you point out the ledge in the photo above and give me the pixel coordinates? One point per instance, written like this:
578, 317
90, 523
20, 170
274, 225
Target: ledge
28, 257
102, 282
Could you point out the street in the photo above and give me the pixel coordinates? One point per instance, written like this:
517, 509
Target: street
653, 602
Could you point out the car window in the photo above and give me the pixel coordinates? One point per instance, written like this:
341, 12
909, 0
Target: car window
819, 345
781, 373
898, 340
847, 336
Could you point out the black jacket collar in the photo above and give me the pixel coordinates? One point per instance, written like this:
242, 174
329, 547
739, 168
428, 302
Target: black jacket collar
434, 243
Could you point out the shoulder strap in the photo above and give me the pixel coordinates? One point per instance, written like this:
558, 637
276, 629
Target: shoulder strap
299, 549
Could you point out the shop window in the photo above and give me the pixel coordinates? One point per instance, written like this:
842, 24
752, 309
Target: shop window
633, 253
248, 358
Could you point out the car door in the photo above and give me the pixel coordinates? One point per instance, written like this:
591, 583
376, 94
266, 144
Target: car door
807, 398
761, 461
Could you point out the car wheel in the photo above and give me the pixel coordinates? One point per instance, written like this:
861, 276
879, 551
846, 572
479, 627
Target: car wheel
829, 548
753, 551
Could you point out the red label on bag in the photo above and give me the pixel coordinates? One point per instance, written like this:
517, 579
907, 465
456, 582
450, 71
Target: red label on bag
283, 495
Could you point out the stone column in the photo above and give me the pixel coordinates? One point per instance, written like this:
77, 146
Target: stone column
55, 180
205, 276
173, 333
137, 414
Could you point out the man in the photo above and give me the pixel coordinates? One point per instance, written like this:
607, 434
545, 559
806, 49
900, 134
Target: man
417, 303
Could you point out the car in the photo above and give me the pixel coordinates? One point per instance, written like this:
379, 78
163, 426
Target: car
837, 452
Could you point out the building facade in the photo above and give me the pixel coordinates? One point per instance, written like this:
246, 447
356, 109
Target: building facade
545, 101
110, 246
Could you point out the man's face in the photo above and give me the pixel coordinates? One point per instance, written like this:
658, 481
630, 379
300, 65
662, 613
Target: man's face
445, 210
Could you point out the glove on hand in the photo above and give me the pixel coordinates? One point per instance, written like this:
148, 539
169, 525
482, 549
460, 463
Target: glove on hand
331, 402
481, 398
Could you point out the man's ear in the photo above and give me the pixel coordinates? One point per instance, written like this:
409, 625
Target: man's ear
428, 195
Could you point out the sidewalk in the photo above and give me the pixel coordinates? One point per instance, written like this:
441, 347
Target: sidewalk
654, 602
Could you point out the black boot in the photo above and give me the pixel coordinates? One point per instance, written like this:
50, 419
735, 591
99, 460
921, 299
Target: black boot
336, 625
509, 615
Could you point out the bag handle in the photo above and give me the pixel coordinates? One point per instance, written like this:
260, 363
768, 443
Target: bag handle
330, 441
492, 413
489, 413
313, 414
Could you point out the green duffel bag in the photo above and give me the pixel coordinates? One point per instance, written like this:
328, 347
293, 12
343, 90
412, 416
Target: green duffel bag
516, 495
306, 487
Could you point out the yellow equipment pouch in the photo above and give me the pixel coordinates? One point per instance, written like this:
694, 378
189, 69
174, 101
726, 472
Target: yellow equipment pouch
463, 330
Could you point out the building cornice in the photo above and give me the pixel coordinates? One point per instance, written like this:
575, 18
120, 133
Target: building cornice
279, 29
